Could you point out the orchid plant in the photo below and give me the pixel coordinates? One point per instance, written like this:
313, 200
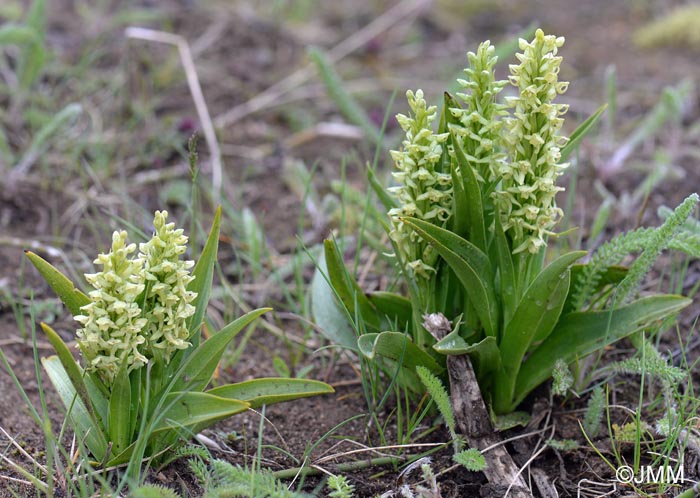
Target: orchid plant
470, 219
141, 388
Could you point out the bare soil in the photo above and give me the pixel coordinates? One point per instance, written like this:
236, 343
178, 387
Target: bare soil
244, 52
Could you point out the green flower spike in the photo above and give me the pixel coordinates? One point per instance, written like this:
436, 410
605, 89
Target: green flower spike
112, 322
479, 133
531, 136
424, 192
165, 278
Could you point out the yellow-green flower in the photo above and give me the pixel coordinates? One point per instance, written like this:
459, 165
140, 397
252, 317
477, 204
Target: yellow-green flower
165, 278
480, 127
424, 191
531, 136
112, 322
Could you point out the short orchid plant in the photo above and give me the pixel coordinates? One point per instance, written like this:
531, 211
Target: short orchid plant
470, 217
141, 388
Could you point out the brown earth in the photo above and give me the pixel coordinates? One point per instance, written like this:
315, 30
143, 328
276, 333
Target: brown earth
246, 52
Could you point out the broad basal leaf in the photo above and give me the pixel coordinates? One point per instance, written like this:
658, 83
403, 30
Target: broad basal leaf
73, 372
120, 412
83, 422
266, 391
197, 369
346, 288
187, 409
331, 319
538, 311
581, 333
397, 347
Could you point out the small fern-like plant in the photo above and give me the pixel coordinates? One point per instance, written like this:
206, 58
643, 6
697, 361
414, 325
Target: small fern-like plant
594, 412
439, 395
220, 479
340, 487
471, 459
153, 491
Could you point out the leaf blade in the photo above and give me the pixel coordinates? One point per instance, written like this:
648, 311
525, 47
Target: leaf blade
196, 370
72, 297
581, 333
266, 391
398, 347
471, 266
580, 132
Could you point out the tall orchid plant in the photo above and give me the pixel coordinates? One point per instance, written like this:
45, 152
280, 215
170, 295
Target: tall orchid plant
145, 366
470, 219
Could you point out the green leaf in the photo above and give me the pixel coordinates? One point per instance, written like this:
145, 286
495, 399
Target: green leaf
510, 420
59, 122
394, 309
135, 379
346, 288
332, 321
203, 273
197, 369
187, 409
346, 103
120, 412
580, 132
16, 34
471, 266
71, 368
254, 240
397, 347
281, 367
537, 313
460, 204
440, 396
61, 285
471, 459
506, 270
484, 354
472, 189
611, 275
267, 391
384, 197
579, 334
82, 421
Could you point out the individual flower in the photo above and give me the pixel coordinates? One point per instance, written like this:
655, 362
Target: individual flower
424, 191
531, 136
479, 130
112, 322
165, 278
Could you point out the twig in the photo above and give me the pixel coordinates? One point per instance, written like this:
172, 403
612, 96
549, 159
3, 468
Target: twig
341, 467
472, 420
377, 450
196, 91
